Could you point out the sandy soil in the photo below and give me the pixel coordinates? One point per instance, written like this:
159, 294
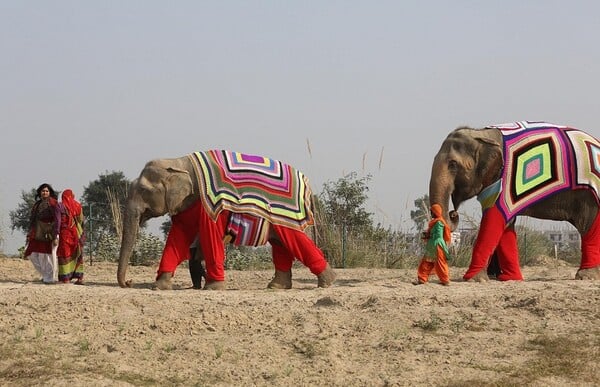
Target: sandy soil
372, 328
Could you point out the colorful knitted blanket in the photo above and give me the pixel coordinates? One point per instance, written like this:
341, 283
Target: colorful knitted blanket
541, 159
253, 185
247, 230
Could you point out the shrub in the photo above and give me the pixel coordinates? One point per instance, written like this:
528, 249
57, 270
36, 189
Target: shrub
248, 258
147, 250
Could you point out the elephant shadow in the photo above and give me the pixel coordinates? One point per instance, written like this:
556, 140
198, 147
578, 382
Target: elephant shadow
338, 282
86, 283
135, 285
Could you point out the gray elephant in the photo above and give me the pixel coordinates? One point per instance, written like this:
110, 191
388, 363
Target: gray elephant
220, 197
536, 169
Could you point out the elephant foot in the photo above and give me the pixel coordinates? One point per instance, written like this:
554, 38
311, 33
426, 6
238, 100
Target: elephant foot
326, 278
164, 282
214, 285
479, 277
281, 280
588, 274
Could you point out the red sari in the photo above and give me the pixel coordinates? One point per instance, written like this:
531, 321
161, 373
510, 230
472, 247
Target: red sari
70, 245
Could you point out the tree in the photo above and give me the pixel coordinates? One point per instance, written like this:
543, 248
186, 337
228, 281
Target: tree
98, 201
97, 204
343, 201
165, 227
19, 218
421, 215
342, 219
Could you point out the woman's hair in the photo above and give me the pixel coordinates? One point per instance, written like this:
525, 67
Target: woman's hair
39, 189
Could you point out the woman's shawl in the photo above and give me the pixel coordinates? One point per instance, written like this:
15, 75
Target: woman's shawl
254, 185
436, 238
438, 234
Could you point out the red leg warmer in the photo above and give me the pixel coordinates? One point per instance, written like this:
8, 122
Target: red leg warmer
184, 228
282, 258
590, 246
508, 256
490, 231
296, 244
211, 242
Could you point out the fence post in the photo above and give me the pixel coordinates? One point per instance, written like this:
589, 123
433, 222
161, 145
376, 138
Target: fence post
91, 232
344, 245
525, 241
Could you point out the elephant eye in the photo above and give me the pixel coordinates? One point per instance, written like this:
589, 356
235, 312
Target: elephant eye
452, 165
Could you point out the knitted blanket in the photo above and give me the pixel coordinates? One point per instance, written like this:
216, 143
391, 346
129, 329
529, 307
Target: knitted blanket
247, 230
541, 159
253, 185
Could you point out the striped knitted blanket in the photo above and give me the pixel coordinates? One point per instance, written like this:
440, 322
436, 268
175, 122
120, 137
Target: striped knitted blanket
253, 185
541, 159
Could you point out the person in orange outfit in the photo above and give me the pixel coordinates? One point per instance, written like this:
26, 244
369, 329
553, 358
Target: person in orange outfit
437, 237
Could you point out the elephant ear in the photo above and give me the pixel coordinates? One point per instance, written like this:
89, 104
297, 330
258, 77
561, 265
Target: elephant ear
178, 187
490, 159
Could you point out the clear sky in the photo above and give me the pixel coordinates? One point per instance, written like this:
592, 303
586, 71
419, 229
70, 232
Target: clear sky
88, 87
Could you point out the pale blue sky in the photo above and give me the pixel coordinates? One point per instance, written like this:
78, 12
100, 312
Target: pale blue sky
88, 87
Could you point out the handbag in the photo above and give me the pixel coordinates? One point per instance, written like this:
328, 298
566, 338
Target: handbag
43, 231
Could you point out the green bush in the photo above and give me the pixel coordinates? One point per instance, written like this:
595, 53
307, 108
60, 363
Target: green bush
379, 247
532, 244
146, 252
248, 258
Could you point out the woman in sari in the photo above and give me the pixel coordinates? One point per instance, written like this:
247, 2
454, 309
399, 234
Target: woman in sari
70, 246
42, 238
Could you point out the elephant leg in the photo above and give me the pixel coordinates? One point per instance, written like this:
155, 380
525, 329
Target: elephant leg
282, 260
211, 243
590, 246
508, 256
326, 278
490, 231
181, 235
164, 281
300, 246
588, 274
590, 253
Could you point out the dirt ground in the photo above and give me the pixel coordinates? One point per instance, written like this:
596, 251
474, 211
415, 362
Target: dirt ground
372, 328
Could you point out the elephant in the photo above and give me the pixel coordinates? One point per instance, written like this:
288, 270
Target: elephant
529, 168
220, 196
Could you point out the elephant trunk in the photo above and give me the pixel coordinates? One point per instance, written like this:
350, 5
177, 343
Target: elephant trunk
441, 186
131, 224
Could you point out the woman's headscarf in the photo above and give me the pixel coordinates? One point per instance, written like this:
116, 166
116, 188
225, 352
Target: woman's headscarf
68, 200
436, 211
